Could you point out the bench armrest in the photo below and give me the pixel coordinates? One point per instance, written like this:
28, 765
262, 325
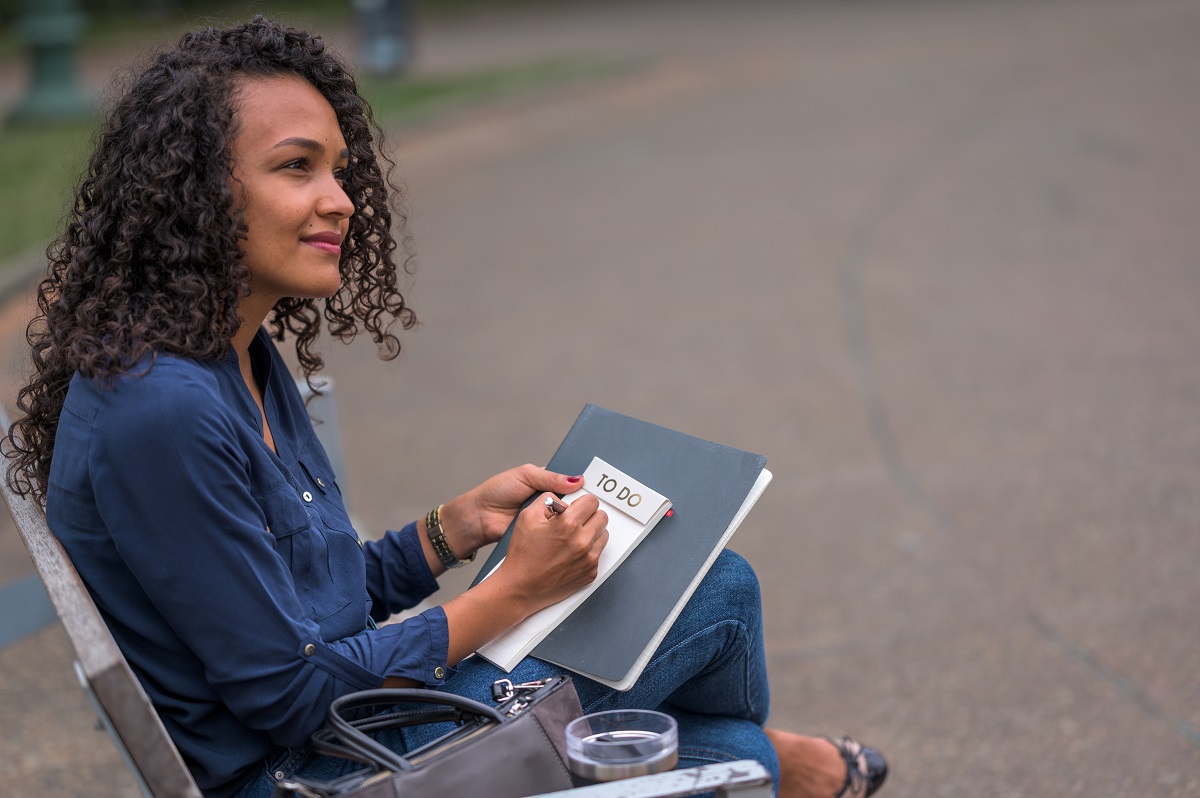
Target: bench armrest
745, 778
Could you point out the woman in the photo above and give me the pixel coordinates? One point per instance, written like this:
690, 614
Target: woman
235, 185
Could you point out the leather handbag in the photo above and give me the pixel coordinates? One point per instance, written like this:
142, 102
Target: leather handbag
512, 750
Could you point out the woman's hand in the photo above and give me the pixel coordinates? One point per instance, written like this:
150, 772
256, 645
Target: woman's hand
479, 517
549, 557
552, 555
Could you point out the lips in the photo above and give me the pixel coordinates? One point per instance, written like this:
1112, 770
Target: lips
326, 242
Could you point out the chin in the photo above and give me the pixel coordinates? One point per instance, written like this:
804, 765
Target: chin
327, 285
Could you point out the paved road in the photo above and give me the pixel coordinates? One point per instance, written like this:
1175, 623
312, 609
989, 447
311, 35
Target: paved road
936, 260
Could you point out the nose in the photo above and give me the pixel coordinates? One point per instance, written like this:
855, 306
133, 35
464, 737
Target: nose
334, 202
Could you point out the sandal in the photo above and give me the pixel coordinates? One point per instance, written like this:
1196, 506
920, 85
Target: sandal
866, 768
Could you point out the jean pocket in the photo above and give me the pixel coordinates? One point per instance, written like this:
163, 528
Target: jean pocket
284, 763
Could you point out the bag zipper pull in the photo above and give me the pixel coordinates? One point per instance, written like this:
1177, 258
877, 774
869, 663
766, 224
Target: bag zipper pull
504, 689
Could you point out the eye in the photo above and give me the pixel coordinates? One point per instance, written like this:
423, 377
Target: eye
341, 174
299, 163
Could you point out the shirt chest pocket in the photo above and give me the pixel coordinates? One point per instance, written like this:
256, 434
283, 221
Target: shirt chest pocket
302, 542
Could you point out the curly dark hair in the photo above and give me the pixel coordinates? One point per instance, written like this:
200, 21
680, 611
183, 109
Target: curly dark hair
150, 260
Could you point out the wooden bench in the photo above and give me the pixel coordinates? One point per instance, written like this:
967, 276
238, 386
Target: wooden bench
115, 692
127, 714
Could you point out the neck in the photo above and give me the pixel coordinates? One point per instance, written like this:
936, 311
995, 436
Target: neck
241, 345
253, 316
241, 340
253, 313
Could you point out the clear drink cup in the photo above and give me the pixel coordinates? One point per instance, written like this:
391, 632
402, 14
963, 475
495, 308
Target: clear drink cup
622, 743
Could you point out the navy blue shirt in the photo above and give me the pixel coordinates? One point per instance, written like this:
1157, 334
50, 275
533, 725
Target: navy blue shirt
230, 576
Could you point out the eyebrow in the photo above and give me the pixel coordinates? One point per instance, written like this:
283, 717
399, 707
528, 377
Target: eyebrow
307, 144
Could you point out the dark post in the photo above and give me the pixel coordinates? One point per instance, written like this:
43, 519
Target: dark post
51, 29
385, 35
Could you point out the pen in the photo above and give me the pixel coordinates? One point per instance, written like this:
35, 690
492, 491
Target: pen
555, 506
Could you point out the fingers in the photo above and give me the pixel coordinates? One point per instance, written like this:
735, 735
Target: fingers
593, 527
589, 535
598, 545
553, 505
583, 514
552, 554
578, 511
541, 479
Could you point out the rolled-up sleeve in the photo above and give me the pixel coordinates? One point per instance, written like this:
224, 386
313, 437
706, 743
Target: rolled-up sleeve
398, 575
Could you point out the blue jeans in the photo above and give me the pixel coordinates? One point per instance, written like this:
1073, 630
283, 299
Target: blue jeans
709, 673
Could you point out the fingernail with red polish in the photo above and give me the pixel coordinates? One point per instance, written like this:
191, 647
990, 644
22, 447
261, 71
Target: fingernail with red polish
573, 480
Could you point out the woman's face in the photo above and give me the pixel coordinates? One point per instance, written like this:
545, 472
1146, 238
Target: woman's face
289, 157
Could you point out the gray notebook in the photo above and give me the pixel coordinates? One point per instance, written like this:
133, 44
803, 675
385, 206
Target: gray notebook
711, 487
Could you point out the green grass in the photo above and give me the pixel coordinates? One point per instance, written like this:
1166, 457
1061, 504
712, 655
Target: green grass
407, 101
39, 168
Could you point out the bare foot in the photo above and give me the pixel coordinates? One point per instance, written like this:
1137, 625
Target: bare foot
809, 767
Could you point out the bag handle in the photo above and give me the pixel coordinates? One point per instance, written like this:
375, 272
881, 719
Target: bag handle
353, 738
391, 696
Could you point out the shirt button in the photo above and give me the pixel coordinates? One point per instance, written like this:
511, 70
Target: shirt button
439, 672
309, 650
320, 482
306, 496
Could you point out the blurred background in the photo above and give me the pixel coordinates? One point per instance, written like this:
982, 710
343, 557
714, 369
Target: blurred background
936, 259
